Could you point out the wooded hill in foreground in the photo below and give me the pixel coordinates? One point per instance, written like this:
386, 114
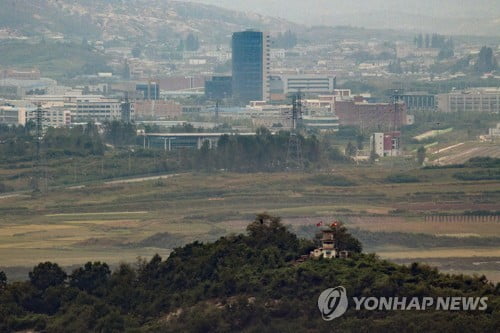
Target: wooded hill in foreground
240, 283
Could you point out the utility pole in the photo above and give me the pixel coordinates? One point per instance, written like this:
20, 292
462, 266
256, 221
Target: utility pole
438, 149
129, 162
217, 111
397, 121
39, 118
294, 152
74, 171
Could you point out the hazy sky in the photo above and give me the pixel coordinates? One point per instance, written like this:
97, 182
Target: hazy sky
473, 15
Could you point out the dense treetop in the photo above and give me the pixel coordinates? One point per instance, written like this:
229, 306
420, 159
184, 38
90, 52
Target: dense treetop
240, 282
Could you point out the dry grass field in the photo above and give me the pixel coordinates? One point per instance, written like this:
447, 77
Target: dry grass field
113, 222
461, 153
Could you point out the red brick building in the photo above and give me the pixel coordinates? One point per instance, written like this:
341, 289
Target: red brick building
174, 83
156, 110
382, 116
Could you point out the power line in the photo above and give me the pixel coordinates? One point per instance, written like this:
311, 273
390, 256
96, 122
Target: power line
294, 153
39, 116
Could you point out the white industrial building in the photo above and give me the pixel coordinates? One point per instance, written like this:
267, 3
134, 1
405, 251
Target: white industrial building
83, 108
12, 115
472, 100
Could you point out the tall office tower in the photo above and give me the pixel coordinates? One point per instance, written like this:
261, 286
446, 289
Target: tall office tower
251, 65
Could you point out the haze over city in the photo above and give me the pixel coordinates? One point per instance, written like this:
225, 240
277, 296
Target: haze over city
480, 17
220, 166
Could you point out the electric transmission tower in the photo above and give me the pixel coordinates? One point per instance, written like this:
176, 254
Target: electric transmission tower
294, 153
39, 174
398, 122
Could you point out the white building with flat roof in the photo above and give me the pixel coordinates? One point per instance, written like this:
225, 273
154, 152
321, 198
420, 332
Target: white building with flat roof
83, 108
472, 100
52, 117
307, 83
12, 115
494, 131
101, 109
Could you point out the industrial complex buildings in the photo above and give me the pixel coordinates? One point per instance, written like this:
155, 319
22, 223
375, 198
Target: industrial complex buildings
471, 100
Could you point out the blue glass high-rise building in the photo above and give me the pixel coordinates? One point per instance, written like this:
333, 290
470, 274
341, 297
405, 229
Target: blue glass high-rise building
251, 62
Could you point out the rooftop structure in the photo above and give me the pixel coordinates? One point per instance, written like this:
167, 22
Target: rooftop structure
419, 100
318, 84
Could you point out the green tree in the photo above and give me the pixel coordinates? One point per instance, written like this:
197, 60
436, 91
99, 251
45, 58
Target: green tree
344, 241
350, 149
373, 156
395, 67
136, 51
267, 230
111, 322
285, 40
205, 157
92, 278
126, 71
421, 154
123, 290
445, 53
3, 280
420, 41
192, 43
359, 141
120, 133
486, 61
46, 275
181, 46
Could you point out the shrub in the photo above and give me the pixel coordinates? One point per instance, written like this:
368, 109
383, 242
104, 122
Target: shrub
4, 188
479, 175
402, 178
332, 180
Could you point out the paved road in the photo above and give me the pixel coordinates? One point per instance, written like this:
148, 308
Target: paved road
78, 187
141, 179
10, 195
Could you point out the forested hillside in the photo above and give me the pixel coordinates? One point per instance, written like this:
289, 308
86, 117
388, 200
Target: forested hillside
240, 283
128, 19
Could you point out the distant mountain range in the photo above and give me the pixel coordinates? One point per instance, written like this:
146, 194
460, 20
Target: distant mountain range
129, 19
165, 20
460, 17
